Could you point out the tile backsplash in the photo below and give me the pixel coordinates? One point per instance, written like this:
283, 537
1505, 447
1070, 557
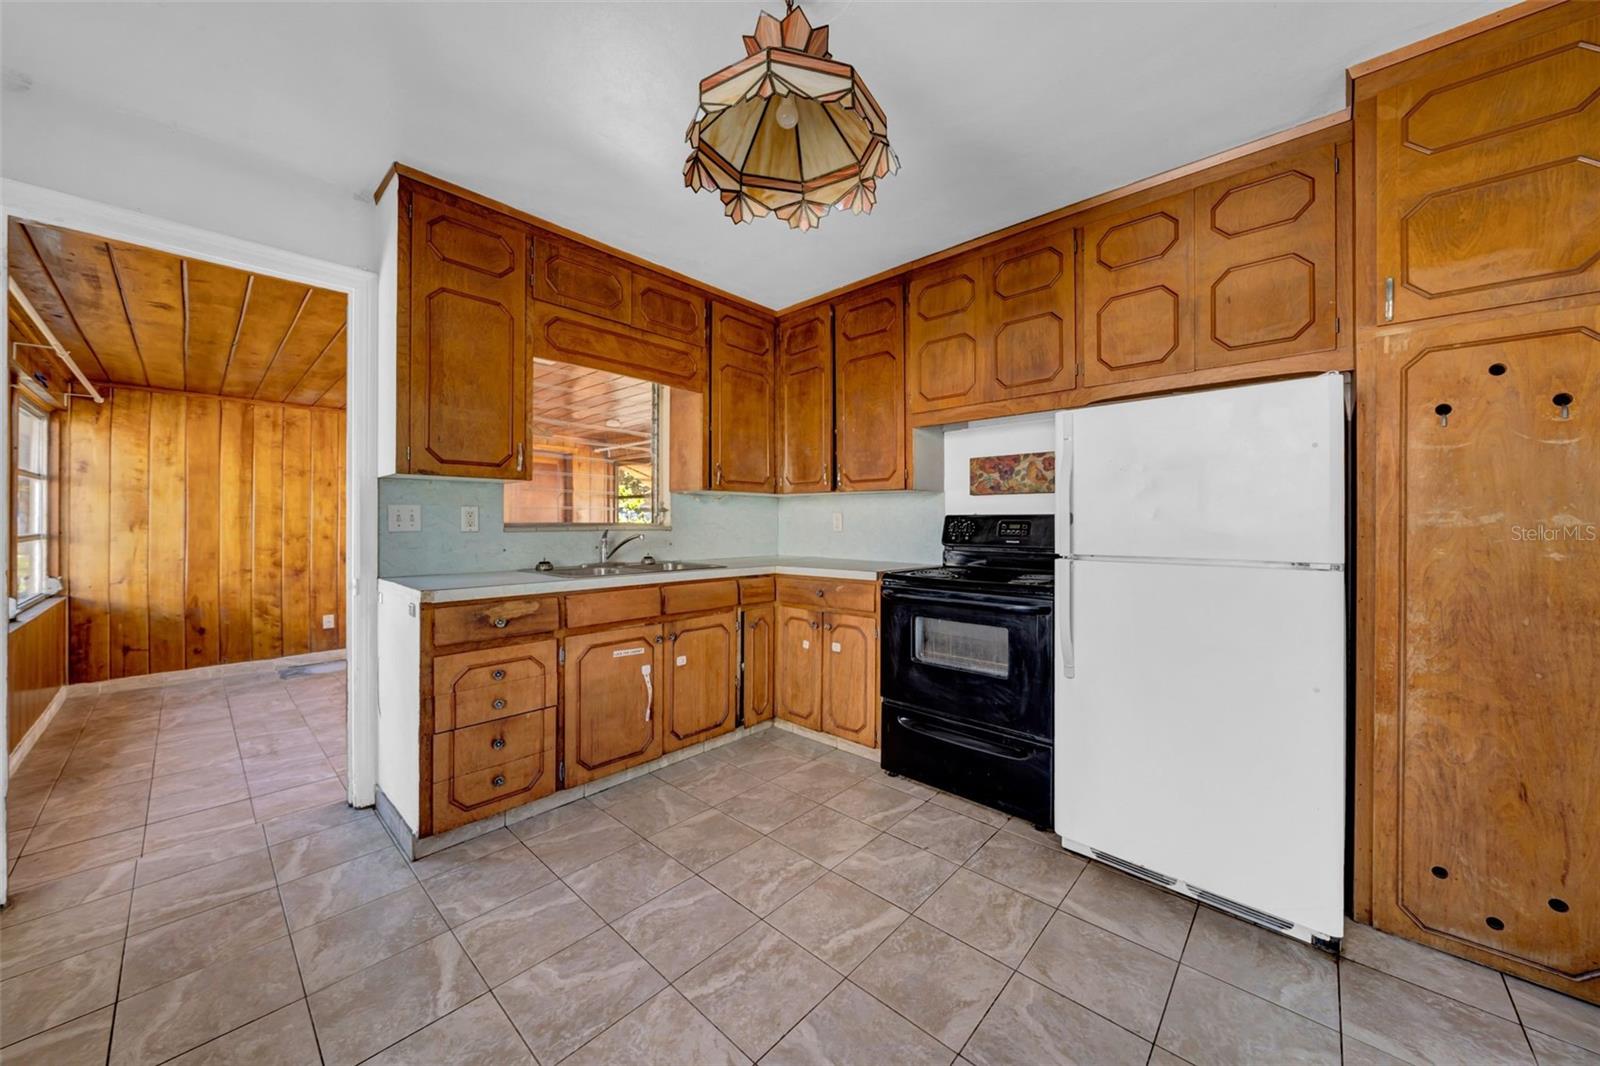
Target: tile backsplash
900, 526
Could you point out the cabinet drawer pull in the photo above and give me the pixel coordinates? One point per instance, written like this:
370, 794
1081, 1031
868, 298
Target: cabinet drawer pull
499, 675
500, 704
497, 743
499, 623
499, 780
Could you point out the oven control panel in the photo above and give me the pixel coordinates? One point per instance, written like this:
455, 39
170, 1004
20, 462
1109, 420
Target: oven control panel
1009, 531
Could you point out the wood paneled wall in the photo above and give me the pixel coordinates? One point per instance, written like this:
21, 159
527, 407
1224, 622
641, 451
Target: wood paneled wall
37, 664
200, 530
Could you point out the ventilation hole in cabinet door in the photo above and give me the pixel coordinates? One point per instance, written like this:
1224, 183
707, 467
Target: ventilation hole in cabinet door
1443, 409
1494, 923
1562, 399
1497, 369
1559, 906
1440, 872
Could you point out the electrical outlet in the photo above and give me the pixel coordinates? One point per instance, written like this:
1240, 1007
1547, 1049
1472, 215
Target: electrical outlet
405, 518
838, 521
469, 519
327, 621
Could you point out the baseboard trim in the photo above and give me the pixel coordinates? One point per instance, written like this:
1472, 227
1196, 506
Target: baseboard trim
173, 677
830, 740
35, 731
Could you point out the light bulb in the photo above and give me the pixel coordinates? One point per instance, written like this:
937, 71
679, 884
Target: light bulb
788, 114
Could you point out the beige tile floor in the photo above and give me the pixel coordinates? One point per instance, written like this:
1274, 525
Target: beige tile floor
189, 886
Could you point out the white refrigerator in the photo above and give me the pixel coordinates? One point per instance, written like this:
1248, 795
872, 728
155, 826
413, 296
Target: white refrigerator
1200, 622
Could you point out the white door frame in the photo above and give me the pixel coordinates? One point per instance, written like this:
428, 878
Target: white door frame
361, 423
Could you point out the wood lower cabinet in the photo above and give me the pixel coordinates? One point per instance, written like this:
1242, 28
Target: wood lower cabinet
805, 401
850, 678
613, 700
1488, 653
759, 643
799, 687
1486, 189
828, 658
743, 377
869, 390
702, 678
493, 767
463, 338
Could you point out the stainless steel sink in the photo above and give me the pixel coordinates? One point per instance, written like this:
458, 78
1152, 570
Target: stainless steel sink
615, 569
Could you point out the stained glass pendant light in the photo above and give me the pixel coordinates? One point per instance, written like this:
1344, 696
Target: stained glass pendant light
788, 130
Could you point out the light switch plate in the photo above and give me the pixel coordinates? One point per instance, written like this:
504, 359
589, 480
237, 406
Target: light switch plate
327, 621
405, 518
469, 519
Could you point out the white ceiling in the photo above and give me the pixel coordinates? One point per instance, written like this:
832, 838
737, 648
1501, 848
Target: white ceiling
576, 112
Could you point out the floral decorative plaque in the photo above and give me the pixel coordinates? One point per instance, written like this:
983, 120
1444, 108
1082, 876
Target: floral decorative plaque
1023, 474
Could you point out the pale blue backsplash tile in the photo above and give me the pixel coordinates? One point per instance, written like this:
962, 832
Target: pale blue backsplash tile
889, 526
703, 527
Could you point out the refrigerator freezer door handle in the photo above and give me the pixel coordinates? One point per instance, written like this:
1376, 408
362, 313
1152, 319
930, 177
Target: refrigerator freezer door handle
1064, 619
1064, 483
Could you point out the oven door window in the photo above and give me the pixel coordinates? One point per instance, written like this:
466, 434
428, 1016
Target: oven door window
969, 647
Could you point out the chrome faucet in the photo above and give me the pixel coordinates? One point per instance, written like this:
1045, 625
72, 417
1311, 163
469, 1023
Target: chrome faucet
607, 549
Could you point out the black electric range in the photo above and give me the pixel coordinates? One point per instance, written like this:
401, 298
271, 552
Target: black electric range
968, 675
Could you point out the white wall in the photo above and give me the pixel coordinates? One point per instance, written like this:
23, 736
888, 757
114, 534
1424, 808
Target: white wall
128, 161
998, 436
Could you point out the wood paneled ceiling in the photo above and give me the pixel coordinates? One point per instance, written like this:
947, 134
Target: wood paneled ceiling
608, 414
133, 316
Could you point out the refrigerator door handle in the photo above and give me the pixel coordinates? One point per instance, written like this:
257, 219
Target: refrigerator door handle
1064, 618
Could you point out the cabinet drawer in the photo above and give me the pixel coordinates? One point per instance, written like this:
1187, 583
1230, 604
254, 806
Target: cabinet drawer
758, 589
466, 751
823, 592
459, 800
699, 596
613, 605
479, 686
463, 623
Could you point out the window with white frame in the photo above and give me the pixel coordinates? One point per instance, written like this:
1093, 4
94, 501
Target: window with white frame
31, 503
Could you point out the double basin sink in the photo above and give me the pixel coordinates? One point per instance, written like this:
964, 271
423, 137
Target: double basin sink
615, 569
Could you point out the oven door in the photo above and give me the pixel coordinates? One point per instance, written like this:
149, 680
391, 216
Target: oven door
978, 657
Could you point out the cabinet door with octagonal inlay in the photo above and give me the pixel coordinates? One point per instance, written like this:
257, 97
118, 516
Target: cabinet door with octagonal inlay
467, 309
1028, 315
1266, 252
1138, 292
945, 365
1488, 179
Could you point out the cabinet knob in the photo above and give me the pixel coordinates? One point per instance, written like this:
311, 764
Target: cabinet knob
658, 640
673, 637
499, 675
500, 704
820, 593
499, 623
813, 625
827, 625
497, 743
499, 780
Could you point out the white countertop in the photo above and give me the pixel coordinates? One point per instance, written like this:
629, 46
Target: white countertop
452, 588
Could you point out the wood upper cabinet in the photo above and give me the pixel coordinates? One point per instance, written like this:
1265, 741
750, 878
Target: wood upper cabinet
464, 301
760, 661
1267, 262
612, 701
572, 275
701, 667
1138, 292
668, 309
945, 366
1486, 187
743, 378
994, 325
869, 388
799, 689
567, 335
1029, 333
805, 400
850, 677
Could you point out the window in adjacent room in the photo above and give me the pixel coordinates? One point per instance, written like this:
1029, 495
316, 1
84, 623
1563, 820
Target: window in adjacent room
32, 503
596, 451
